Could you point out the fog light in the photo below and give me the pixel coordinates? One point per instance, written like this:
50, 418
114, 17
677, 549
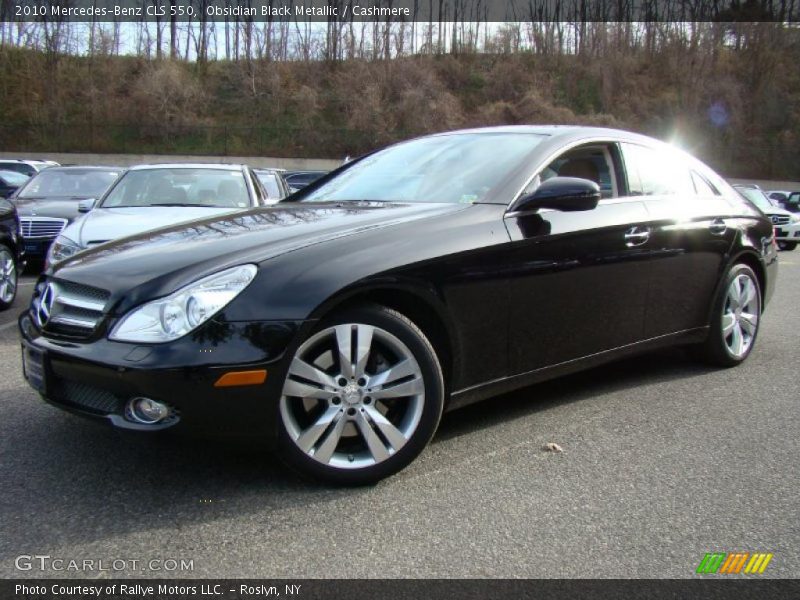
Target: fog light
147, 411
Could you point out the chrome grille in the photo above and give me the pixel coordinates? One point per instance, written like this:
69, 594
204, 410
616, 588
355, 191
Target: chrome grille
68, 309
780, 219
41, 227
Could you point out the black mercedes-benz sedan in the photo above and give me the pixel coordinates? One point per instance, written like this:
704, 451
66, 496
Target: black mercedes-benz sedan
419, 278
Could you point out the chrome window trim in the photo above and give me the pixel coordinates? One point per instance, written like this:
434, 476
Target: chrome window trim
555, 154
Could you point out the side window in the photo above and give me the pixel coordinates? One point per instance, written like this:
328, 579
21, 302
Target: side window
593, 162
703, 187
259, 191
656, 172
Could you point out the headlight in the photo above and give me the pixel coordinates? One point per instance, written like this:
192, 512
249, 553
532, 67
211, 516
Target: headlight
61, 248
794, 219
176, 315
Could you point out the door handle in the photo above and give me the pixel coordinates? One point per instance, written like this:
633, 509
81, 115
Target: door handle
636, 236
718, 227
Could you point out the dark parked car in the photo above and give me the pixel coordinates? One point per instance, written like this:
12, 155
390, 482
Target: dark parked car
50, 200
152, 196
11, 253
784, 199
297, 180
10, 181
274, 184
420, 278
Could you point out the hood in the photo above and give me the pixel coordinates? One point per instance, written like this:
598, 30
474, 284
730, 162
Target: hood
776, 211
105, 224
58, 207
157, 262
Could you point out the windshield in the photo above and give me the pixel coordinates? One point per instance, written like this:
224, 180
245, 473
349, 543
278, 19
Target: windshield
757, 197
13, 177
270, 183
447, 168
69, 183
180, 186
23, 168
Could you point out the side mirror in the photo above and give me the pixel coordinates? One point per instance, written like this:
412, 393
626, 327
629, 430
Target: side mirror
566, 194
85, 206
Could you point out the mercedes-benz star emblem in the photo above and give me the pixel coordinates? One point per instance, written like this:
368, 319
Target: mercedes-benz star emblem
46, 305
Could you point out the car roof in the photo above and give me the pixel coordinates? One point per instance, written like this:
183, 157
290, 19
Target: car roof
216, 166
553, 131
87, 168
34, 161
558, 136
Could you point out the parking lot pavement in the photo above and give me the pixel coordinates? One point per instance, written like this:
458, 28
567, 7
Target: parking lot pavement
663, 461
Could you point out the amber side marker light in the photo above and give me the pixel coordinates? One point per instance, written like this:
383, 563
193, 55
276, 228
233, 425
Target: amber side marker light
237, 378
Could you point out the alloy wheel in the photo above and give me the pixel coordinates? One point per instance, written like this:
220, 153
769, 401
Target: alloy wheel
353, 396
740, 315
8, 277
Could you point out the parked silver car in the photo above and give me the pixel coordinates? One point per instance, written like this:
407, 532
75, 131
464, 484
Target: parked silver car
152, 196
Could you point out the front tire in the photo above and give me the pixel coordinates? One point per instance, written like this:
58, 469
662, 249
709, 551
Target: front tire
8, 277
787, 246
362, 398
736, 316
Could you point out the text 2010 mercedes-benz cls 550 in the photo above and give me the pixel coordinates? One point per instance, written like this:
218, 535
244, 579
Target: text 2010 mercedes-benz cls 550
419, 278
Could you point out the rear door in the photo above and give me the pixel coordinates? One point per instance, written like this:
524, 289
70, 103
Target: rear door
691, 231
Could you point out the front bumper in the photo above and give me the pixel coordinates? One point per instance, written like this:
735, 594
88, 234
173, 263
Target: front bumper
96, 379
788, 233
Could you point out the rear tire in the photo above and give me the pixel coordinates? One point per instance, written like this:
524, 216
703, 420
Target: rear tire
8, 277
735, 319
362, 398
787, 246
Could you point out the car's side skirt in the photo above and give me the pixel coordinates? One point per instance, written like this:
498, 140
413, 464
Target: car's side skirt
482, 391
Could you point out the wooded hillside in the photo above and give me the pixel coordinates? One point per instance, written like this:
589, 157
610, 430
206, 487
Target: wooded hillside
728, 92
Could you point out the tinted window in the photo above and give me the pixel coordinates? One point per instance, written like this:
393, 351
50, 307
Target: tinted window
220, 188
303, 179
447, 168
793, 202
69, 183
18, 168
656, 172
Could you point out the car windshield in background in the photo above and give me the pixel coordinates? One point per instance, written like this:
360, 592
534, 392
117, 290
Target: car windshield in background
758, 198
70, 183
219, 188
13, 177
18, 167
458, 168
270, 183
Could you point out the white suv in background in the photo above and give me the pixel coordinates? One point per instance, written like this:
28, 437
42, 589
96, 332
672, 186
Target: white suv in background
787, 224
29, 168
